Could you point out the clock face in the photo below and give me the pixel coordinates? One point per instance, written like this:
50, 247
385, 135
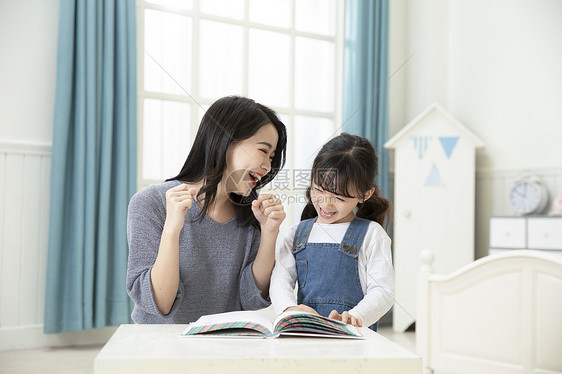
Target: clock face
525, 197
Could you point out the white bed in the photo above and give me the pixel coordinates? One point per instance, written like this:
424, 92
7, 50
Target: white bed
499, 314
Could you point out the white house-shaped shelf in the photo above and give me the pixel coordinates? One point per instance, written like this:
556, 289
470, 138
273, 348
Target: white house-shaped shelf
432, 139
434, 178
435, 124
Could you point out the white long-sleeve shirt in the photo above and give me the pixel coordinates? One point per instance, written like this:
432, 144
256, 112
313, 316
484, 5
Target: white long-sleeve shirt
376, 273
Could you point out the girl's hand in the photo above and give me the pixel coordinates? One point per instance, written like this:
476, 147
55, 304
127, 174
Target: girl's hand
345, 317
269, 212
178, 201
301, 308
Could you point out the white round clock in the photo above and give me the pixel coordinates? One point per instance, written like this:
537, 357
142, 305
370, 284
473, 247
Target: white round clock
528, 196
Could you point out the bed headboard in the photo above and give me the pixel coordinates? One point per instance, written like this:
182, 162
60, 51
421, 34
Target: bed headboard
499, 314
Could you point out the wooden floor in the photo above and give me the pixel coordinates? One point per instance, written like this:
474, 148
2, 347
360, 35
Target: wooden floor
80, 360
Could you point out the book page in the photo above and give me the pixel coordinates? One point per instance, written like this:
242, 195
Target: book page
310, 324
299, 313
240, 319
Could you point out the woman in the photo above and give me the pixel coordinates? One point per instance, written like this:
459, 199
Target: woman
203, 242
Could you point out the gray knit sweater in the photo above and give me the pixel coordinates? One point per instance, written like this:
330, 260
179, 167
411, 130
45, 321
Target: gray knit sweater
215, 261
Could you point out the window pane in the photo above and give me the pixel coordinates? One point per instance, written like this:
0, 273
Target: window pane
269, 65
166, 138
224, 8
316, 16
220, 59
310, 134
314, 74
168, 41
175, 4
271, 12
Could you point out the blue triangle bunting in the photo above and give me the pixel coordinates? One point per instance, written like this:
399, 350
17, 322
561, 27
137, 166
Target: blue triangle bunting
448, 143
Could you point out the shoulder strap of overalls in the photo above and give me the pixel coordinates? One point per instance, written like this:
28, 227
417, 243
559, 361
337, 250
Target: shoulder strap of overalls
302, 233
353, 238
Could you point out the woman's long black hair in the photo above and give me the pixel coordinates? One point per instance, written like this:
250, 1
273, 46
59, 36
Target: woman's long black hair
230, 120
349, 161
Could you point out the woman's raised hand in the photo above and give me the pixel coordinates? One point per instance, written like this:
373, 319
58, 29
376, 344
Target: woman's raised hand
178, 201
269, 212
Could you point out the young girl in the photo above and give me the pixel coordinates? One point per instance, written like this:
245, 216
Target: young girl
340, 258
203, 242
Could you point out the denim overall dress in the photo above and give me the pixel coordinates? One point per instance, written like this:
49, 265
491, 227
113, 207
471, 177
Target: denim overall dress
327, 273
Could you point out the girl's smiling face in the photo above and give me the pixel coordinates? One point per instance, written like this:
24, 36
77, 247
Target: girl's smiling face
248, 160
331, 207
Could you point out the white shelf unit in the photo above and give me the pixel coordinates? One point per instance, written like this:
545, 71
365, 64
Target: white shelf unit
434, 198
542, 233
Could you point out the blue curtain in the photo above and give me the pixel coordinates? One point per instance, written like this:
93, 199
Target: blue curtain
93, 172
365, 93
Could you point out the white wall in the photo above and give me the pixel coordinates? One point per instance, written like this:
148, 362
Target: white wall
505, 79
495, 66
28, 43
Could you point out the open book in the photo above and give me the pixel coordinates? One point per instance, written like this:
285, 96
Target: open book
255, 324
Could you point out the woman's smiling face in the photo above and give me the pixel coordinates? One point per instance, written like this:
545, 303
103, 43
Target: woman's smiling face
248, 160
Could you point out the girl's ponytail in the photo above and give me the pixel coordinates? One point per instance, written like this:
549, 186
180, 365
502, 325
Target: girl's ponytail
309, 211
377, 208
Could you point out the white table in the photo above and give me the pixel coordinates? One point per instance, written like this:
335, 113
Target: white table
139, 349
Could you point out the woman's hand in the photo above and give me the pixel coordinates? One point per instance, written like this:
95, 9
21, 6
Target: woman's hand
301, 308
269, 212
345, 317
178, 201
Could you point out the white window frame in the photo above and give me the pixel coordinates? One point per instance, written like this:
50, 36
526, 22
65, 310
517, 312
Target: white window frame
288, 112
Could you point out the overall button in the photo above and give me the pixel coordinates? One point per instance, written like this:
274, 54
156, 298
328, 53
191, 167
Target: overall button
346, 247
